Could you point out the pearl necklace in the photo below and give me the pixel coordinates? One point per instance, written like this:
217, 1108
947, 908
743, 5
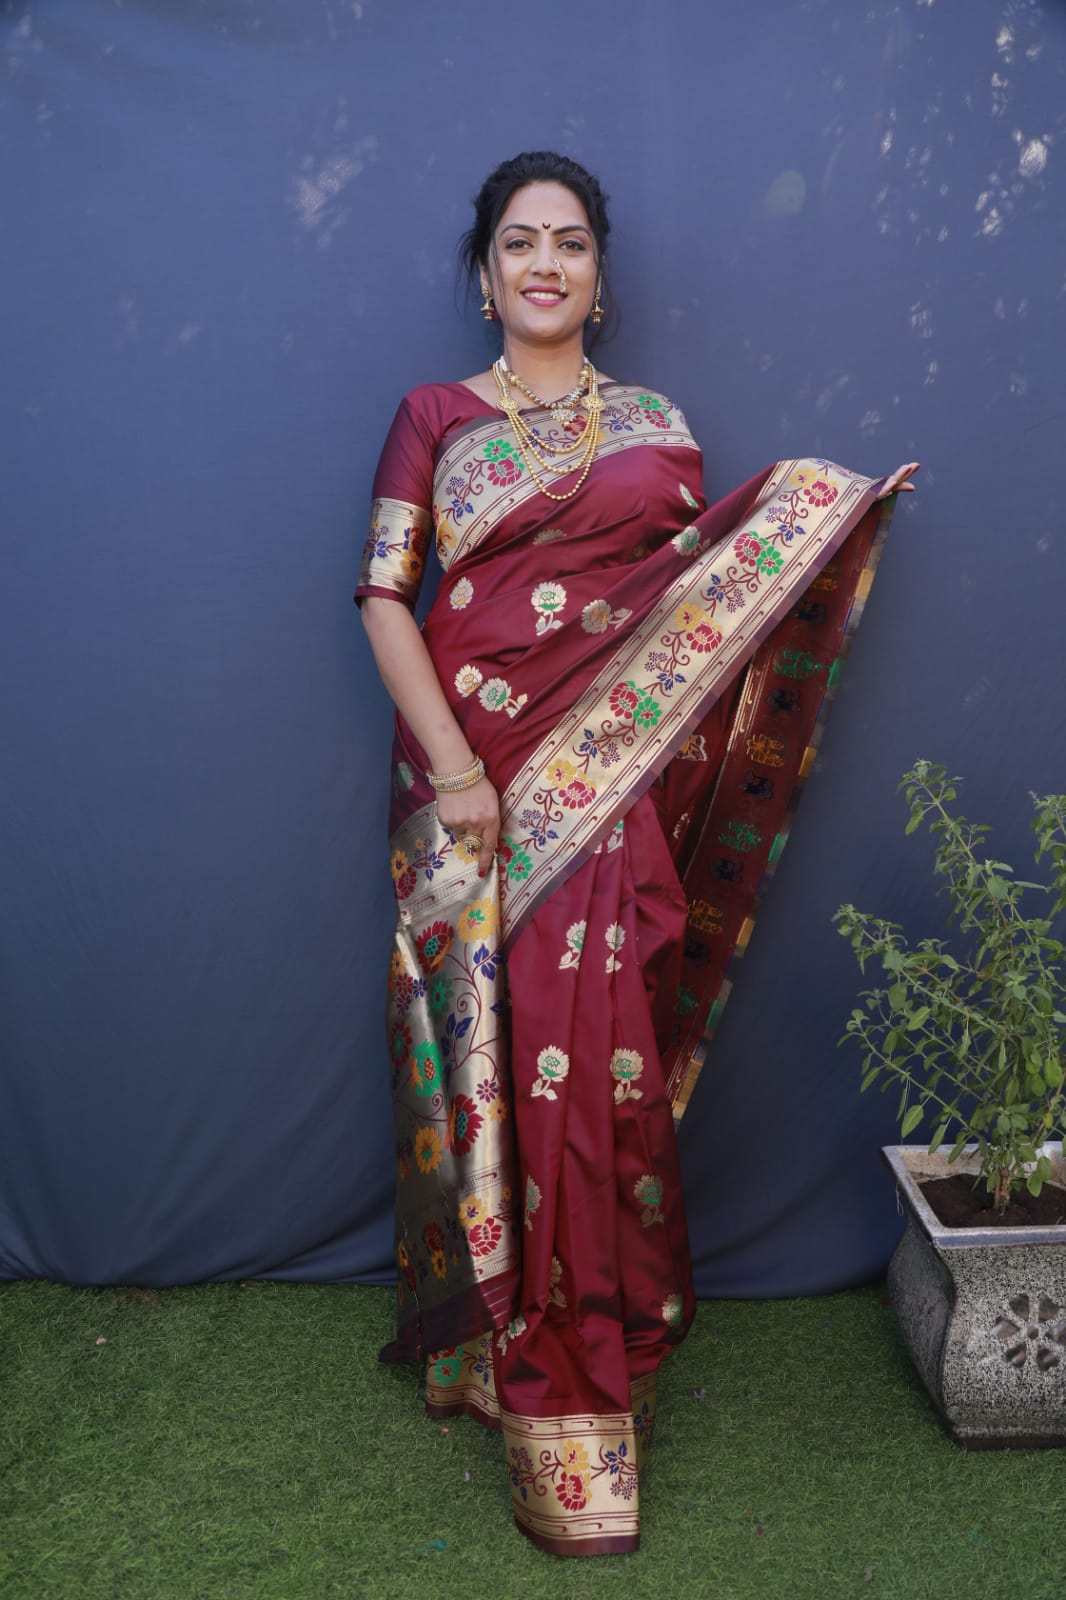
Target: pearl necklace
536, 451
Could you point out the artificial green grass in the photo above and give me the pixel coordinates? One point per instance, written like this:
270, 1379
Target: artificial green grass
241, 1442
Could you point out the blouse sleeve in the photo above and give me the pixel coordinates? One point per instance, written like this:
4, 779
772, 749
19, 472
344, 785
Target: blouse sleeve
394, 555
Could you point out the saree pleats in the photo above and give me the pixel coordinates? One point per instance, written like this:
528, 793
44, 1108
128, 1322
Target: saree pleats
606, 1280
646, 682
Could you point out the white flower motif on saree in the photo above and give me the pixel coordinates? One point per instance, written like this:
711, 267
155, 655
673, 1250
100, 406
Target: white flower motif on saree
575, 939
461, 595
468, 680
598, 616
533, 1198
626, 1067
548, 600
616, 938
553, 1065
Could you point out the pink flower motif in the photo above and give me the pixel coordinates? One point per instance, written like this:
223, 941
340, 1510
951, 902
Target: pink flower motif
578, 793
624, 700
505, 472
704, 638
747, 549
658, 419
572, 1490
483, 1237
821, 493
405, 883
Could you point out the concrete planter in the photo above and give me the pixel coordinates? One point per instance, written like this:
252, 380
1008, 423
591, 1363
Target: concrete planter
983, 1312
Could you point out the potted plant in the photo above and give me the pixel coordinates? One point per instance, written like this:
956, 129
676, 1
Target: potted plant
971, 1034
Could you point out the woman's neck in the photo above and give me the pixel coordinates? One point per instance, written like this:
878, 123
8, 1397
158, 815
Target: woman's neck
548, 372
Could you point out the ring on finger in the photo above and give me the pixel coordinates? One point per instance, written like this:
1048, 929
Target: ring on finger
472, 842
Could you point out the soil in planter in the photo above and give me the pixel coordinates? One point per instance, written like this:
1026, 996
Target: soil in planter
959, 1204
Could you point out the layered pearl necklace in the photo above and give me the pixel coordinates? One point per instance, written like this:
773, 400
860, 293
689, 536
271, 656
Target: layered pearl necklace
536, 451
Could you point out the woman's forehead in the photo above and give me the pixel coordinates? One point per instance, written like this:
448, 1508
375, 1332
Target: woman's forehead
540, 205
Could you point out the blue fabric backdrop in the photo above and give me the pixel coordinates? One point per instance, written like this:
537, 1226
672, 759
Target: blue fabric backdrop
228, 250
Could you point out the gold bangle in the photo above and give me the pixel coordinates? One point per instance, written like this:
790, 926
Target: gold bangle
453, 782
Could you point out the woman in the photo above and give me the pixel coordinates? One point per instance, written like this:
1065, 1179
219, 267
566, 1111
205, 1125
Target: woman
614, 685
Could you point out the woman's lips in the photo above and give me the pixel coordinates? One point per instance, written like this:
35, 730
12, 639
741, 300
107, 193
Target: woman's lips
543, 297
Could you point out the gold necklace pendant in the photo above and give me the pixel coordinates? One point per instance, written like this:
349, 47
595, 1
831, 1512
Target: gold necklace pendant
531, 446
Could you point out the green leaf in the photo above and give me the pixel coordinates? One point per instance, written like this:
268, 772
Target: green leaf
911, 1120
1034, 1182
919, 1018
938, 1138
1053, 1073
897, 996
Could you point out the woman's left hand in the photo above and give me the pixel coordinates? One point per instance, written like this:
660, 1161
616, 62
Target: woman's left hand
898, 480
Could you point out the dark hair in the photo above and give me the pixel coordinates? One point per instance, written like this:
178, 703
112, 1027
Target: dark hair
494, 196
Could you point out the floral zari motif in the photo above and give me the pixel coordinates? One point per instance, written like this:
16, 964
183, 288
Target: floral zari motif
451, 1098
395, 552
574, 1480
638, 709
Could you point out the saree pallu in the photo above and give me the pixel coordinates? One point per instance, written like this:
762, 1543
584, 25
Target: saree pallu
645, 681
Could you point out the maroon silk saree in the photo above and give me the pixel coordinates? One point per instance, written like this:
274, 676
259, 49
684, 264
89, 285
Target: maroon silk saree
645, 680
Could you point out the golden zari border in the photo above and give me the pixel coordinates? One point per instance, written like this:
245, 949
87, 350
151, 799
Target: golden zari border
462, 1382
574, 1481
581, 793
394, 555
456, 1228
497, 485
684, 1073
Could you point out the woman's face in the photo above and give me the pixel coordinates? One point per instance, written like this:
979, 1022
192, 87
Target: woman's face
544, 228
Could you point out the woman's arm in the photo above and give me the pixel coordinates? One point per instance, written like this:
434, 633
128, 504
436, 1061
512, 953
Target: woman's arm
411, 679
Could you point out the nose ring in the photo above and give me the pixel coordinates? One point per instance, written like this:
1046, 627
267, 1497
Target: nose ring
557, 264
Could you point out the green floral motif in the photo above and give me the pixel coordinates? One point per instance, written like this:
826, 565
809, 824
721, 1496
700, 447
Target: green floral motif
647, 711
440, 994
517, 865
686, 1001
797, 664
447, 1368
500, 450
405, 778
740, 836
771, 560
651, 402
687, 540
427, 1071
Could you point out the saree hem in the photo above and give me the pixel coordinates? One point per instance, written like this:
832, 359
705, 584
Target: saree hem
604, 1545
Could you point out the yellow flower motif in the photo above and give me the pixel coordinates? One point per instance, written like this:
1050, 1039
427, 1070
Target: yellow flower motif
464, 852
497, 1111
688, 616
427, 1149
440, 1265
471, 1211
410, 565
478, 921
397, 863
574, 1456
461, 594
559, 773
397, 966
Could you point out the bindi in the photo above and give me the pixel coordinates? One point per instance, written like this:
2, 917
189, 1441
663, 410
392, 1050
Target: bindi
545, 224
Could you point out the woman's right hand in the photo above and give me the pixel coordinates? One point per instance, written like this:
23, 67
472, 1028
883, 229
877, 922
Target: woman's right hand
473, 811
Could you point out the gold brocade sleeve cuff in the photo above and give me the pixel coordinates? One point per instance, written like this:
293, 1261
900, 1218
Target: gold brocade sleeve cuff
394, 556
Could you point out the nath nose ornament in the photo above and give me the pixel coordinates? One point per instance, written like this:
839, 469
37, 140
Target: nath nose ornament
557, 264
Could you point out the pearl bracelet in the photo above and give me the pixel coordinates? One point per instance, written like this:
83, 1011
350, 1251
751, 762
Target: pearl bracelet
452, 782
